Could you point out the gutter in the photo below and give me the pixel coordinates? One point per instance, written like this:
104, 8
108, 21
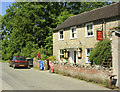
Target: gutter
104, 22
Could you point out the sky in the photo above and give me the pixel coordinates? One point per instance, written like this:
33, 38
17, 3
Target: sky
4, 5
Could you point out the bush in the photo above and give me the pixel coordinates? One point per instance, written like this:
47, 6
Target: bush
101, 52
43, 51
43, 57
51, 58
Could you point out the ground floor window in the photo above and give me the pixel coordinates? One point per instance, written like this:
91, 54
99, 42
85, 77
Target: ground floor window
61, 55
88, 50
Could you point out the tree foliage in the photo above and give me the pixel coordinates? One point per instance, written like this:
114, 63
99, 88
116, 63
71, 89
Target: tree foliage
27, 26
101, 52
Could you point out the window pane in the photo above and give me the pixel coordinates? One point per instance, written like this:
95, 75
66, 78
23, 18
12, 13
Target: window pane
87, 27
73, 35
88, 33
91, 32
90, 29
72, 30
91, 26
61, 51
61, 32
61, 36
21, 58
88, 51
61, 56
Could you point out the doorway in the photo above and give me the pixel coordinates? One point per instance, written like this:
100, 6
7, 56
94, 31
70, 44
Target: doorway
73, 56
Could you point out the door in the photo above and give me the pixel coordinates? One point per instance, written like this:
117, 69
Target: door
75, 57
71, 57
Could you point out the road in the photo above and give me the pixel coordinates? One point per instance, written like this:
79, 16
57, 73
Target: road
32, 79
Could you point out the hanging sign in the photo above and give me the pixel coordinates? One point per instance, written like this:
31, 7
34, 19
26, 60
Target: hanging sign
99, 35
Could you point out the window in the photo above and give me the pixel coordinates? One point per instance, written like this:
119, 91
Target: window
61, 35
13, 58
61, 53
88, 54
89, 30
73, 33
21, 58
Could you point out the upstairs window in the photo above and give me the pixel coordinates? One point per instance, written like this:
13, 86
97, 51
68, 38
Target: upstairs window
61, 36
89, 29
73, 33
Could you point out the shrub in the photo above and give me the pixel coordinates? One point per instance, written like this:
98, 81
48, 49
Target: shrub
101, 52
43, 57
51, 58
43, 52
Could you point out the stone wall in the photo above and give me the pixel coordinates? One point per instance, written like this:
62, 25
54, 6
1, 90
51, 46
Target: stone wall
119, 61
36, 64
89, 74
116, 56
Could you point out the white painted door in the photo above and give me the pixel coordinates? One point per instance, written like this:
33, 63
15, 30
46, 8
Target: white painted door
71, 57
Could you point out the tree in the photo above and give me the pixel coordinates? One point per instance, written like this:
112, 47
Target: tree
27, 26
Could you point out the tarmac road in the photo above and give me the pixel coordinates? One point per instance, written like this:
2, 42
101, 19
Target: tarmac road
31, 79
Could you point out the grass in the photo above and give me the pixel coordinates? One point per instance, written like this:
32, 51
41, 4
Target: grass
5, 61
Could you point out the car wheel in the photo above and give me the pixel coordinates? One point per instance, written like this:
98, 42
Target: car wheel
10, 65
28, 67
14, 66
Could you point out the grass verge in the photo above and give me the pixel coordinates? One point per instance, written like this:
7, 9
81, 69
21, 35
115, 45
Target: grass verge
5, 61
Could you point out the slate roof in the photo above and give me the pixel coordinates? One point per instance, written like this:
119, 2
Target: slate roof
96, 14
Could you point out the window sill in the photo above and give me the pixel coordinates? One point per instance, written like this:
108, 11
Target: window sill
89, 36
61, 39
87, 62
73, 38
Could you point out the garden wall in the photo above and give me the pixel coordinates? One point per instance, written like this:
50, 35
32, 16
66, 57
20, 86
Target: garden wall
89, 74
36, 64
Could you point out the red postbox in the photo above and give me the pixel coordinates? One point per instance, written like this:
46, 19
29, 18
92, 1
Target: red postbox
51, 67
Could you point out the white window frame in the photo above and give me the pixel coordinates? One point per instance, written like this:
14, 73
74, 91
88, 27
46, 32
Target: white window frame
71, 33
60, 34
60, 53
88, 55
86, 31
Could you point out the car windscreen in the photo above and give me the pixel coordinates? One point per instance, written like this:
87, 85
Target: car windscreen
21, 58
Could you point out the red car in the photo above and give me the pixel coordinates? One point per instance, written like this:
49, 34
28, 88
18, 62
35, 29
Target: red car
18, 61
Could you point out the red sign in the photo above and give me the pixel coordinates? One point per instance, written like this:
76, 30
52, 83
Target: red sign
99, 35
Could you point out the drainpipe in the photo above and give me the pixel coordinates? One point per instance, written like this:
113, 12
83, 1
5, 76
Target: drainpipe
104, 22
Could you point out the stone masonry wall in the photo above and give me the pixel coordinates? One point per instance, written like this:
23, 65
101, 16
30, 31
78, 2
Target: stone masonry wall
88, 74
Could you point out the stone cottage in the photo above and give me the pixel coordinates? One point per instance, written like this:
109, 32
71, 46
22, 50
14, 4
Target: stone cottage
76, 36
